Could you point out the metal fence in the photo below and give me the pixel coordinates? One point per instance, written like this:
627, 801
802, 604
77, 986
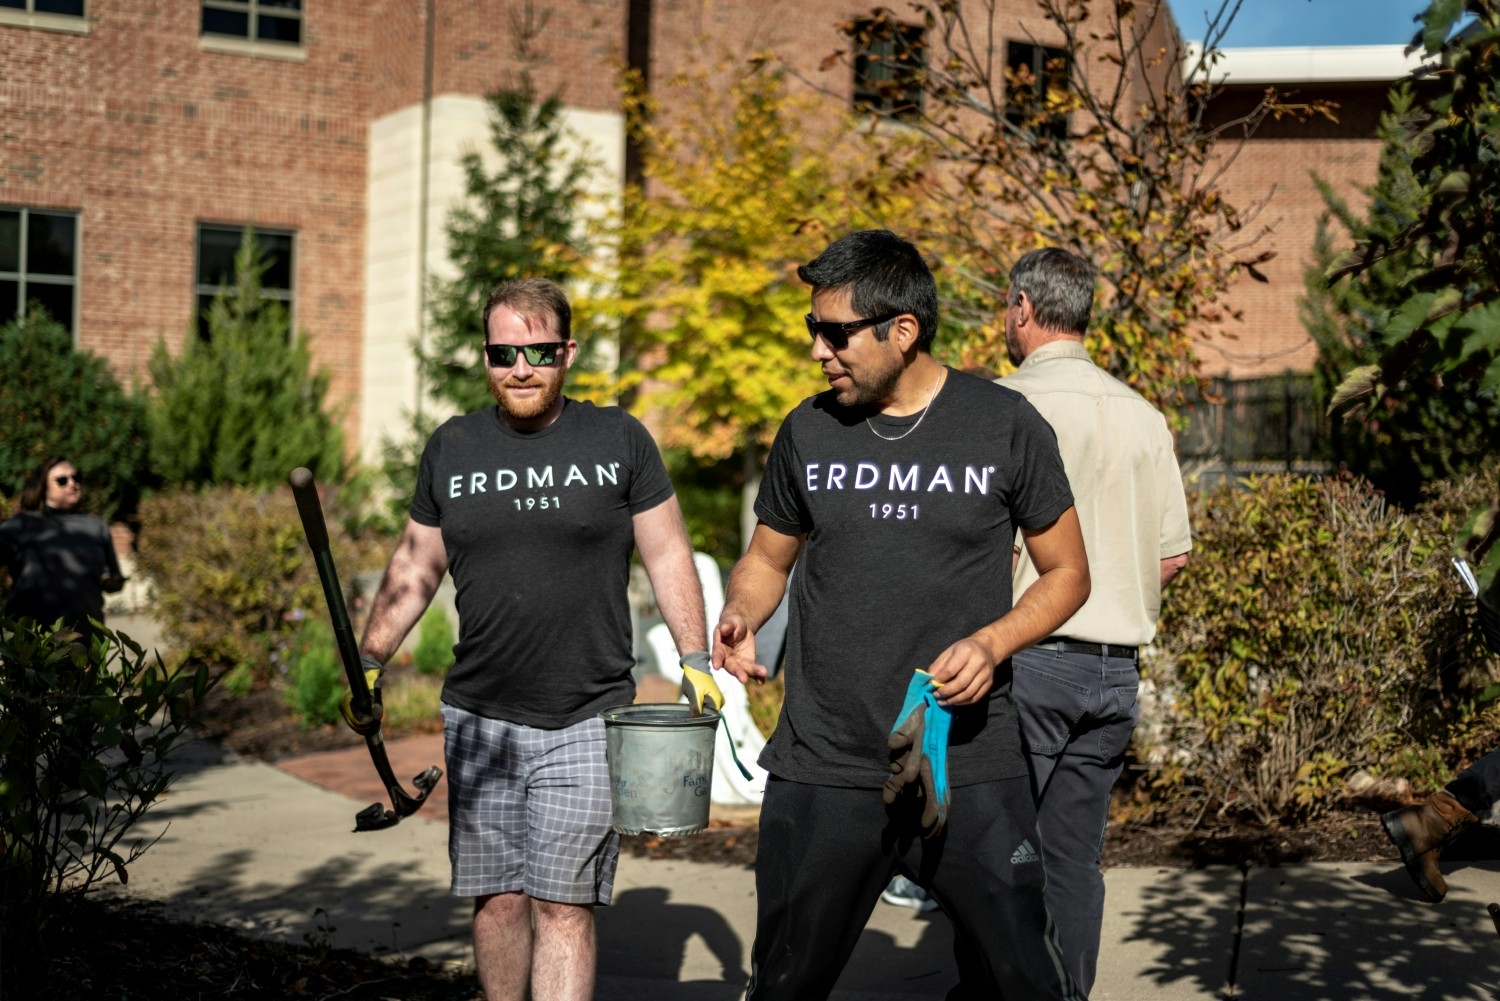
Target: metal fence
1241, 426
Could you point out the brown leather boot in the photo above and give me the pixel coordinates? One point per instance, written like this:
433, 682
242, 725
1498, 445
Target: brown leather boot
1421, 832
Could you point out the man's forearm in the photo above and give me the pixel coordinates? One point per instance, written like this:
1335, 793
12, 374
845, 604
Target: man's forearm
405, 592
679, 595
755, 589
661, 537
1047, 604
397, 608
1171, 567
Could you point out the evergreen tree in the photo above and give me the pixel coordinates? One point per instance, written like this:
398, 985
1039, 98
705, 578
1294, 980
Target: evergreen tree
1446, 325
242, 407
57, 400
522, 221
1426, 426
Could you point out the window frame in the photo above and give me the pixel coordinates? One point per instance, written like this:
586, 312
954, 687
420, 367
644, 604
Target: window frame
251, 43
28, 16
871, 93
1055, 127
287, 296
22, 277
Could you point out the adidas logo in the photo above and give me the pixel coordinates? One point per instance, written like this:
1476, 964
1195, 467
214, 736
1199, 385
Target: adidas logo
1024, 854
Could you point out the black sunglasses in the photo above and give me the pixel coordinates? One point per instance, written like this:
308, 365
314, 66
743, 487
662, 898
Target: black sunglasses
837, 334
542, 353
63, 481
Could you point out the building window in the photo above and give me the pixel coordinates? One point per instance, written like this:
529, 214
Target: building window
217, 246
39, 264
889, 58
1036, 81
254, 20
72, 8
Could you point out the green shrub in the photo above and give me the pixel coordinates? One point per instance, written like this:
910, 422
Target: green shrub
412, 703
57, 400
433, 654
239, 680
84, 735
244, 406
315, 677
230, 570
1315, 630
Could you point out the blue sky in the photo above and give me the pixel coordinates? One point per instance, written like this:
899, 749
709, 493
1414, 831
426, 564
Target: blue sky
1307, 22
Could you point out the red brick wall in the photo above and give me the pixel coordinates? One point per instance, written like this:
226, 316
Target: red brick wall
1279, 160
474, 48
147, 135
398, 36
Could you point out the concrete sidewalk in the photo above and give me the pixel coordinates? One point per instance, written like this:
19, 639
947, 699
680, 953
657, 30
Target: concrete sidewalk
256, 847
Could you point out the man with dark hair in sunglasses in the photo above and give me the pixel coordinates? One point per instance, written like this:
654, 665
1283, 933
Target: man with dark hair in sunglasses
534, 506
898, 492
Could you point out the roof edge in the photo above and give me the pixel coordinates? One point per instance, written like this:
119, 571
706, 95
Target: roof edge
1307, 64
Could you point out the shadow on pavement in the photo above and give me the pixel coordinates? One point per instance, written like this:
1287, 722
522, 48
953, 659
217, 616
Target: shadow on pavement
643, 934
1324, 932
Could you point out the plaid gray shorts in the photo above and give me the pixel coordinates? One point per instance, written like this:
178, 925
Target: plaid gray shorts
529, 809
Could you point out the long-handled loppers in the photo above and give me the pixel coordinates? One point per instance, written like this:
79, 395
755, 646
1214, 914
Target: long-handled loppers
375, 816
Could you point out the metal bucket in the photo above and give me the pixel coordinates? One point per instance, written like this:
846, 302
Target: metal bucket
661, 761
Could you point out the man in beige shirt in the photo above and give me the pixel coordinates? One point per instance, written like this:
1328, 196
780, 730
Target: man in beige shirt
1076, 690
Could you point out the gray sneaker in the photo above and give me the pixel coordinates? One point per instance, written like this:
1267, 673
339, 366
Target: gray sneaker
904, 893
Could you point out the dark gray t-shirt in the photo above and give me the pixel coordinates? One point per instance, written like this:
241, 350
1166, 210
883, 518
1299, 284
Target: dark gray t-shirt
539, 535
908, 550
57, 562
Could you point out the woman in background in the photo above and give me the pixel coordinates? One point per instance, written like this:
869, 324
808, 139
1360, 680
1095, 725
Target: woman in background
61, 560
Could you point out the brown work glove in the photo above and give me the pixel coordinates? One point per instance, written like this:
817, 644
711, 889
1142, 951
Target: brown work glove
919, 752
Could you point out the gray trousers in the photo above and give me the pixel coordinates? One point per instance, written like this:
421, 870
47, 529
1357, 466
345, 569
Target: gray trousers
1077, 713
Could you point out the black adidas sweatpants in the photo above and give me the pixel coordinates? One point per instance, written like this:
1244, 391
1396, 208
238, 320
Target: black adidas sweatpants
826, 853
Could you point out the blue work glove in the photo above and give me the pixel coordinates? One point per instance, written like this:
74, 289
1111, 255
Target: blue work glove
919, 752
364, 726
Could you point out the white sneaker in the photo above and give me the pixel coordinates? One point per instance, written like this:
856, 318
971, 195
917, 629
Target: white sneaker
904, 893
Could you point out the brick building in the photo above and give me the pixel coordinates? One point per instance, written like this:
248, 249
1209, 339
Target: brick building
138, 137
1280, 161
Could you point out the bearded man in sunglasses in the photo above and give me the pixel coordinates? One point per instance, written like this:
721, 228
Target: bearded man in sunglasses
534, 506
898, 493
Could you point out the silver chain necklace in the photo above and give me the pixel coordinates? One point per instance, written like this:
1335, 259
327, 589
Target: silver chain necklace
930, 397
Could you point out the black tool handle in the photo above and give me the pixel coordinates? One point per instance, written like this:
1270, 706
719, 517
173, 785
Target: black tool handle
305, 491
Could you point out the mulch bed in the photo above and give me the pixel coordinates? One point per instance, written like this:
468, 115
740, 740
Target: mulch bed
127, 950
1351, 835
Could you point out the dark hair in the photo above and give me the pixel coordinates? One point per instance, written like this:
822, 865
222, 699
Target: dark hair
1060, 286
34, 493
884, 273
532, 298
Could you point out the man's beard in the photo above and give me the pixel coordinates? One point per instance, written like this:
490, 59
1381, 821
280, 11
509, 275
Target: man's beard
867, 394
530, 409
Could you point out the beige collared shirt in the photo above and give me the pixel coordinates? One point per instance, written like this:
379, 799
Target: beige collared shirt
1127, 487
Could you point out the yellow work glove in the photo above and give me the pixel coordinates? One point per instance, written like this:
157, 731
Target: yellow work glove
698, 684
365, 725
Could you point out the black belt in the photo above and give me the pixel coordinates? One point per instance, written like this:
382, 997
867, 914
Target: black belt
1097, 649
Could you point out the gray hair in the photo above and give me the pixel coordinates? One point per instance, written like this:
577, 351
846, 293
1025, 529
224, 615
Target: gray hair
1060, 286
